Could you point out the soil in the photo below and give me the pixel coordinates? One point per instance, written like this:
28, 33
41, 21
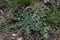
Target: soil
35, 36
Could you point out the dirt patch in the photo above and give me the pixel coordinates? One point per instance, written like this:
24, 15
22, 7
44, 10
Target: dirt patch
23, 36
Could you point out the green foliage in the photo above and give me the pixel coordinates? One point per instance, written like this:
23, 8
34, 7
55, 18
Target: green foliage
28, 19
41, 21
24, 2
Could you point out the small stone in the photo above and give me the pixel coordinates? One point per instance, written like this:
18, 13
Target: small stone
13, 34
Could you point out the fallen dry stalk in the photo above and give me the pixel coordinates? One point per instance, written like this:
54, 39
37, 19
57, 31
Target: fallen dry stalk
1, 12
